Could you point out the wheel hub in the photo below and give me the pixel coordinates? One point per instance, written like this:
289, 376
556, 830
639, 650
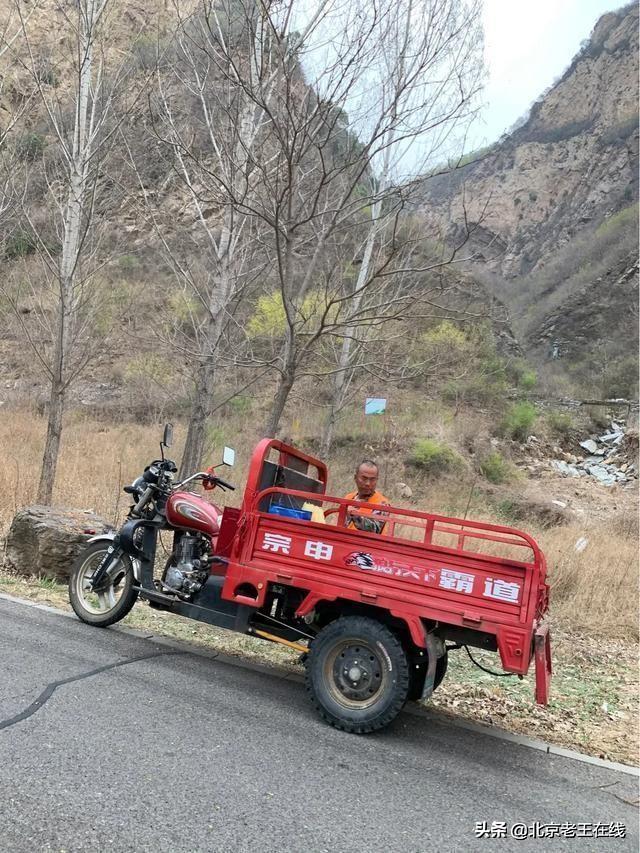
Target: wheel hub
356, 673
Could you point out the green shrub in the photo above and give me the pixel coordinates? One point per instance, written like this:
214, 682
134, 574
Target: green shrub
528, 380
20, 245
620, 379
619, 132
240, 405
518, 420
482, 389
507, 510
185, 307
433, 456
445, 344
128, 263
30, 146
521, 374
628, 216
446, 334
270, 319
495, 468
149, 366
561, 423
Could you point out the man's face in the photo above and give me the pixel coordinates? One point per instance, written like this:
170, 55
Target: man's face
366, 479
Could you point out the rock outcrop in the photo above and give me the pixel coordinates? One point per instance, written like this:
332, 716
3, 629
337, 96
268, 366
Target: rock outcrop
44, 541
573, 161
555, 203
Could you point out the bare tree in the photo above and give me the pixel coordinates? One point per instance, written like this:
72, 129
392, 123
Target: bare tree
14, 106
82, 123
343, 119
210, 127
207, 130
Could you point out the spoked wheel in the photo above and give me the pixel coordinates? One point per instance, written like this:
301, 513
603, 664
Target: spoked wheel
357, 674
115, 596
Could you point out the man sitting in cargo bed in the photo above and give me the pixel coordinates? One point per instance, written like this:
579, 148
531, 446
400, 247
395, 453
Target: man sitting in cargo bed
365, 519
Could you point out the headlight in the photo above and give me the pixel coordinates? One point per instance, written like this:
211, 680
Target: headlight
151, 474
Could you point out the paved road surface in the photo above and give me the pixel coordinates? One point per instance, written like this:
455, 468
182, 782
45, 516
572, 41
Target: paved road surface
170, 751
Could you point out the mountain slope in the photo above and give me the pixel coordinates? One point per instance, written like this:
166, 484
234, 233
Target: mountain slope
555, 203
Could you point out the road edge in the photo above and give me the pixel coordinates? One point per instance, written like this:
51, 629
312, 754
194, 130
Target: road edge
279, 672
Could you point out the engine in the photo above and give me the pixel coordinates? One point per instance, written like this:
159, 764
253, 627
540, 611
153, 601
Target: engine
188, 568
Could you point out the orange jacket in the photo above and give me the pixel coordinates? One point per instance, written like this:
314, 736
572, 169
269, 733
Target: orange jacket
368, 525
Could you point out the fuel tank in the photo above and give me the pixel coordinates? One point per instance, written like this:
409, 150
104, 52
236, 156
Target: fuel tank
190, 512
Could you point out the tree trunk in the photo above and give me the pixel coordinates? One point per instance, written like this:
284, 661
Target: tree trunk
200, 413
285, 384
337, 397
340, 382
52, 444
72, 223
202, 405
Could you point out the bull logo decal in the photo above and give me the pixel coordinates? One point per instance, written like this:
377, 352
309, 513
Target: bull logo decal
361, 560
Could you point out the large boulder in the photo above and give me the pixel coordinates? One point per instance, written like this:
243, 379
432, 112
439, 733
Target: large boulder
44, 540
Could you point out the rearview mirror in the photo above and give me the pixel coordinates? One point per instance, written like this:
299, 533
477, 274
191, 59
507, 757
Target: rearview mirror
229, 456
167, 436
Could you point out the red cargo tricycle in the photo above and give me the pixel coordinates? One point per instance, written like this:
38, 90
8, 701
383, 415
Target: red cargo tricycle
373, 616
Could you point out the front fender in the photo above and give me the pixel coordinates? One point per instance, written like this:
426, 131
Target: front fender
109, 536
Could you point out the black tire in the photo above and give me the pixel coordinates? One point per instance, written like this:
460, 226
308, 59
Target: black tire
357, 674
418, 673
103, 608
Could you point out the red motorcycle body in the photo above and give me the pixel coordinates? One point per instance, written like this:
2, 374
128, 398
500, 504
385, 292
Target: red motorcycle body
190, 512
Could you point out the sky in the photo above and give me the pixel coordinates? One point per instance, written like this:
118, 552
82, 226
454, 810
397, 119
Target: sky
527, 46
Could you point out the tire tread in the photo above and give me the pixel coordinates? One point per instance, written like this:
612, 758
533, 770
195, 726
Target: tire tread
366, 625
123, 606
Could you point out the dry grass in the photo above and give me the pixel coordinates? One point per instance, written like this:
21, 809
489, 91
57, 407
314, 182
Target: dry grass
594, 591
96, 460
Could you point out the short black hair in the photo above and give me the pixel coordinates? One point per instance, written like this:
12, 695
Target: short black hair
368, 462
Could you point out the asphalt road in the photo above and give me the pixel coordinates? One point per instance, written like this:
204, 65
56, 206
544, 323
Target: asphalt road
111, 742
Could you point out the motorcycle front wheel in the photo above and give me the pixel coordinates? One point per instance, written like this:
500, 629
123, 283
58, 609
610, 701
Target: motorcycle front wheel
113, 599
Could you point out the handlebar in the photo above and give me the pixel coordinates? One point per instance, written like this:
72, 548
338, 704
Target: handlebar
145, 491
209, 481
144, 500
212, 480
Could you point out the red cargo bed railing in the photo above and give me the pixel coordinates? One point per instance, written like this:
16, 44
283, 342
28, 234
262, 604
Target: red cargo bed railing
464, 532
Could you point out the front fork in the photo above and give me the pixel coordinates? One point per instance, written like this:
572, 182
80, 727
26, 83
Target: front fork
113, 554
123, 542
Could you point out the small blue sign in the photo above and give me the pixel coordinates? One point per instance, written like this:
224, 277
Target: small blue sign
375, 406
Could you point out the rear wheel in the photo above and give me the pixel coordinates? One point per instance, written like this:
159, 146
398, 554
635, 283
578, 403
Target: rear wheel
357, 674
113, 599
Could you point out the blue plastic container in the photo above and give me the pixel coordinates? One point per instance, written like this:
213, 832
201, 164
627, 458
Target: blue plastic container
302, 514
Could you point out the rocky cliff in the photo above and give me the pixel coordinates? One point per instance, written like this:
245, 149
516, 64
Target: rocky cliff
555, 201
